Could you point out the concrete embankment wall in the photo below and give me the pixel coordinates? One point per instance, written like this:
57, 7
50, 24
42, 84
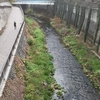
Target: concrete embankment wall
5, 9
3, 1
92, 26
84, 17
46, 9
93, 22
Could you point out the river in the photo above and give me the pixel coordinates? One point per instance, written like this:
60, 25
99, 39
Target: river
68, 72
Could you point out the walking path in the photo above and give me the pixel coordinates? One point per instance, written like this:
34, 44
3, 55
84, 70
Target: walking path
9, 35
8, 38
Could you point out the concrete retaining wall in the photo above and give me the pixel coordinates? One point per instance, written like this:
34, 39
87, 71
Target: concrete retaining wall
93, 23
5, 9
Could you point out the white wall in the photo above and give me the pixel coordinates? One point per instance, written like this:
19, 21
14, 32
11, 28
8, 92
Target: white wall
5, 9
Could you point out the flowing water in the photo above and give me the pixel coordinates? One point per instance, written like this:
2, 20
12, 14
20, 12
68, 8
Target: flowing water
68, 72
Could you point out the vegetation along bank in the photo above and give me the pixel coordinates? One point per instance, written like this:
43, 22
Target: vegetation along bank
39, 67
90, 63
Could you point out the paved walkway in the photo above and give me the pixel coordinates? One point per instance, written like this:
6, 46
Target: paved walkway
9, 35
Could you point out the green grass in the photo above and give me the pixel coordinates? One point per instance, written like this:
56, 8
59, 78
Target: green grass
29, 21
82, 53
39, 67
90, 63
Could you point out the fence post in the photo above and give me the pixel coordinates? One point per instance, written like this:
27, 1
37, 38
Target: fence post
60, 10
98, 44
55, 8
69, 14
87, 25
76, 16
98, 24
63, 10
81, 20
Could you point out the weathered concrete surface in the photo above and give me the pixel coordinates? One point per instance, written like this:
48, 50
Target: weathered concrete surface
68, 71
87, 3
5, 9
3, 1
7, 39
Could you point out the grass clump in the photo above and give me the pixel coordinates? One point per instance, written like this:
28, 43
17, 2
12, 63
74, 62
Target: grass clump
28, 11
90, 63
39, 67
30, 41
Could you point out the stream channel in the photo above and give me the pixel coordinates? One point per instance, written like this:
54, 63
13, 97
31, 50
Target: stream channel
68, 72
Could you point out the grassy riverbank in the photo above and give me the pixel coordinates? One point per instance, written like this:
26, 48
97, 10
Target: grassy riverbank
39, 67
90, 63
